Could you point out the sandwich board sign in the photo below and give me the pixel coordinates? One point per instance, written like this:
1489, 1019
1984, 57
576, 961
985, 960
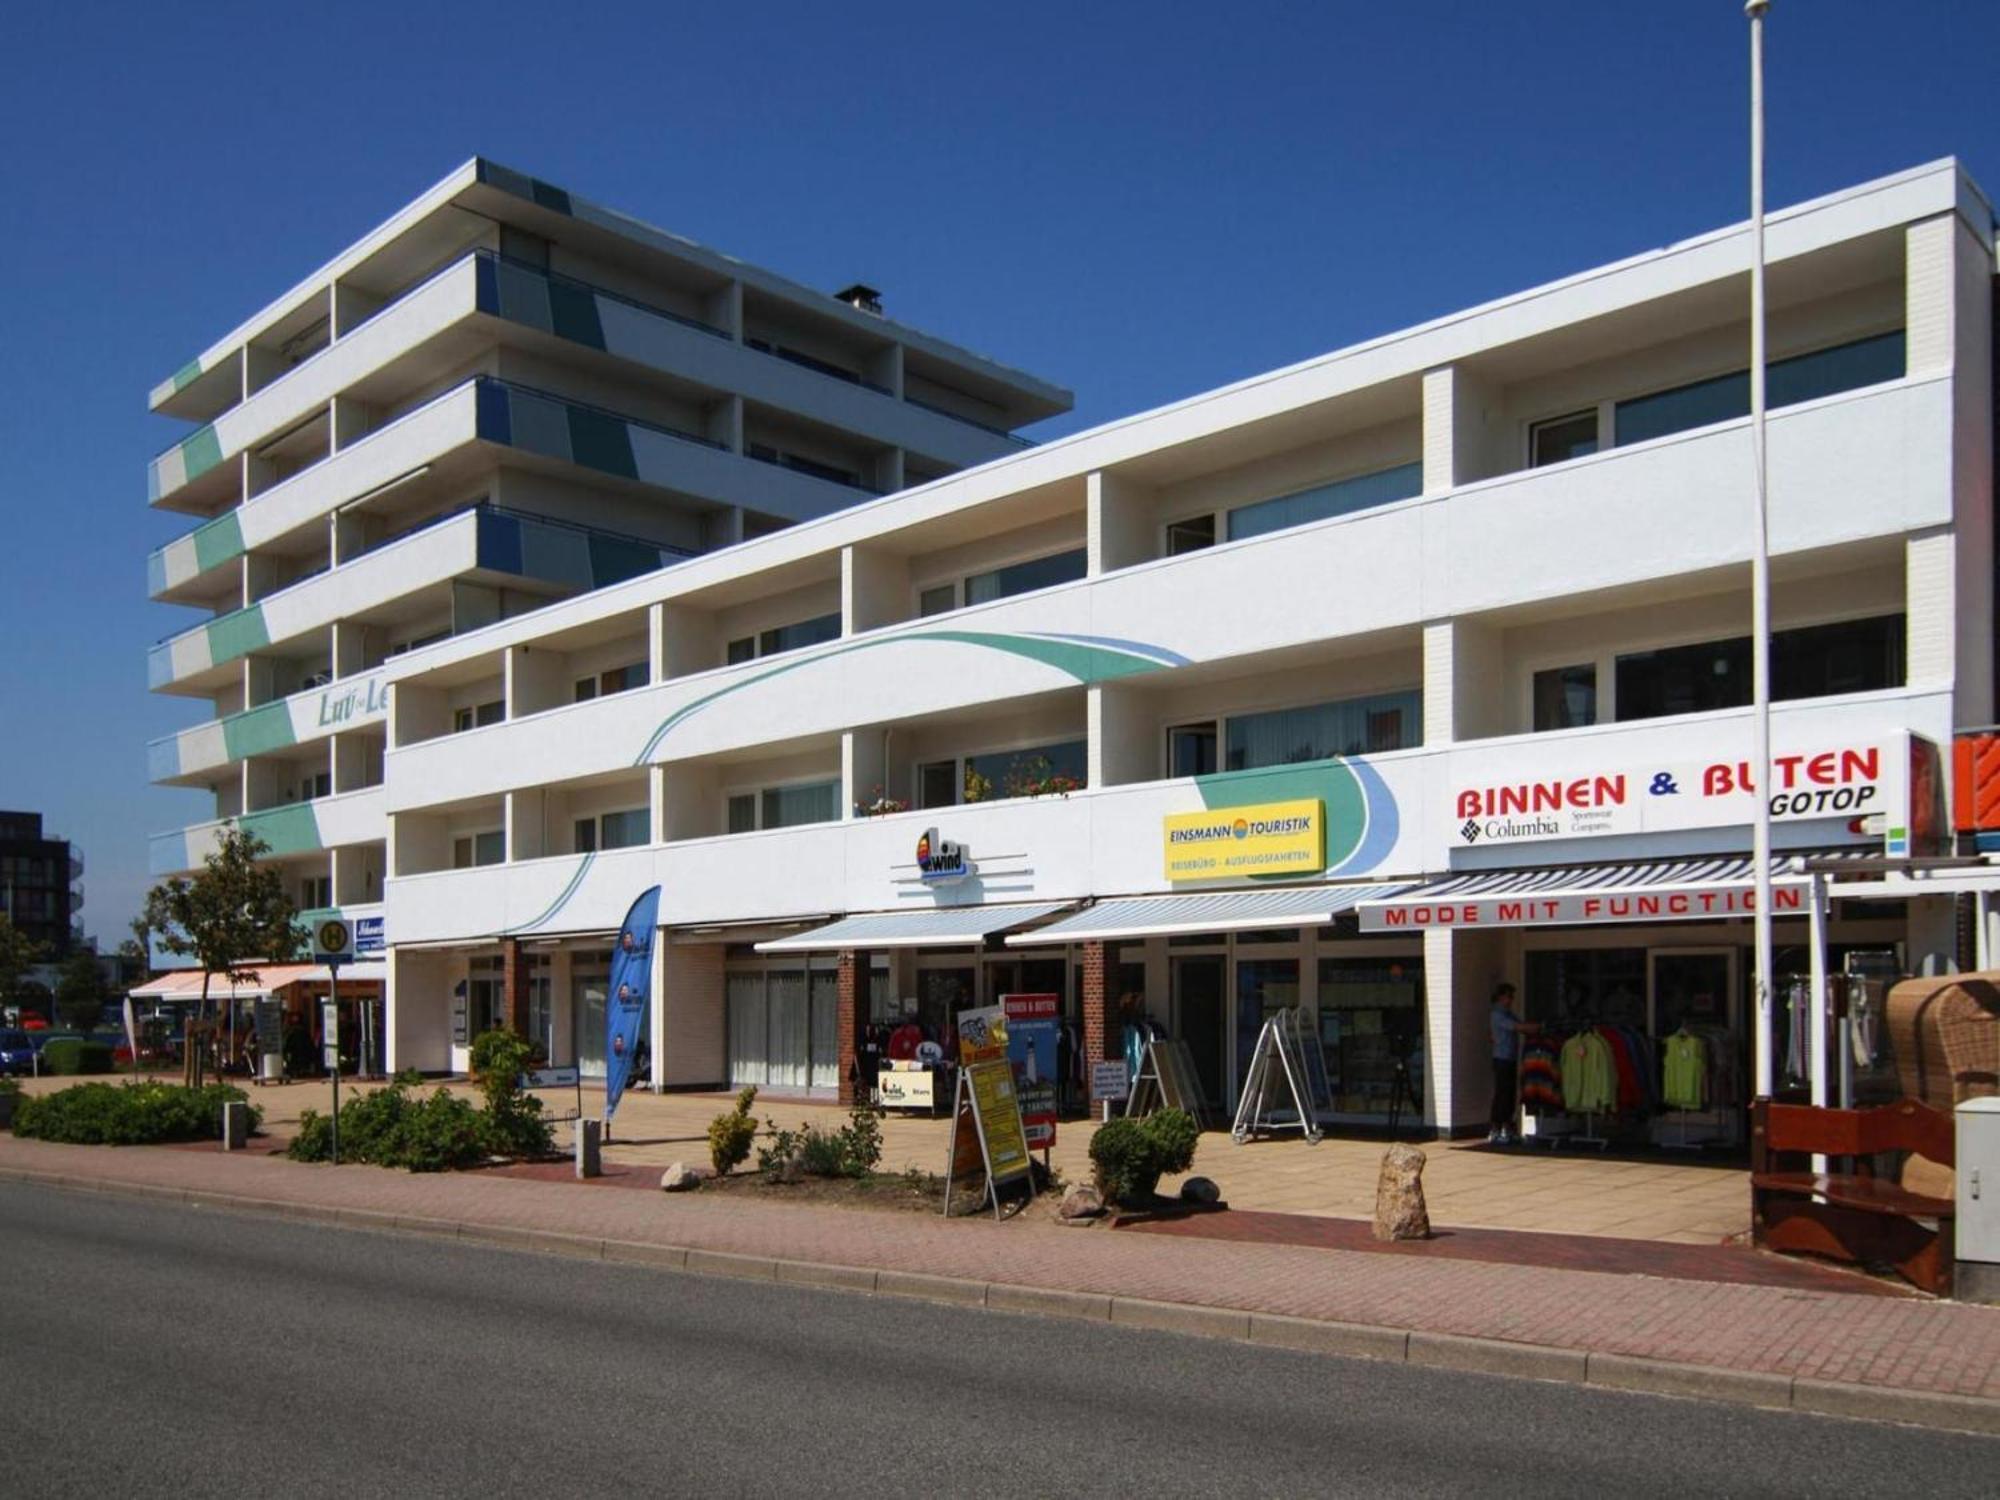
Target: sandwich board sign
989, 1144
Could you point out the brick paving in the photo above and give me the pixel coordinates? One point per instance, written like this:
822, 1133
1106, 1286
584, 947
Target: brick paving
1892, 1342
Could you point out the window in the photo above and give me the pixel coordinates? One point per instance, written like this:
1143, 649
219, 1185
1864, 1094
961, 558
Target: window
1191, 749
315, 892
478, 717
783, 806
1566, 697
626, 829
617, 680
1811, 661
937, 783
1804, 377
1029, 772
471, 849
1190, 535
1354, 726
940, 600
1025, 577
1340, 498
783, 638
314, 784
585, 836
1562, 438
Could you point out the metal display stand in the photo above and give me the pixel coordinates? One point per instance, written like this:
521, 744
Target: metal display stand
1167, 1080
1280, 1055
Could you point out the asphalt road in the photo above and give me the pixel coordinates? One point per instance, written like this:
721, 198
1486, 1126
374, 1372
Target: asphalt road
154, 1349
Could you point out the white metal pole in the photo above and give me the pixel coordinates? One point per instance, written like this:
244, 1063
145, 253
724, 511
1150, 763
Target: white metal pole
1817, 1011
1760, 572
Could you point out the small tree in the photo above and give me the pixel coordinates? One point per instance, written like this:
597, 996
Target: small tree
18, 954
80, 992
233, 912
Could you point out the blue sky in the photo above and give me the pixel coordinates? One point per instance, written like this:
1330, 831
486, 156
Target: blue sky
1139, 201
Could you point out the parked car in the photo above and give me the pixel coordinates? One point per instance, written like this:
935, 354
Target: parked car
17, 1051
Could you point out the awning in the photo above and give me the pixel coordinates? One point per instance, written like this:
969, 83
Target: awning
1663, 890
257, 983
945, 926
1205, 911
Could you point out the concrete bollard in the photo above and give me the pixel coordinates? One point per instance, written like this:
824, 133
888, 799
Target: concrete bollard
589, 1148
235, 1126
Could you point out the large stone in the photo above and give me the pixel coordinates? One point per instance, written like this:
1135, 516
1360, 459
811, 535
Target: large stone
682, 1178
1080, 1201
1200, 1190
1400, 1213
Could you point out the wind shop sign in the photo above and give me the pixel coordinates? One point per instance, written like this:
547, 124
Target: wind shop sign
940, 861
1589, 800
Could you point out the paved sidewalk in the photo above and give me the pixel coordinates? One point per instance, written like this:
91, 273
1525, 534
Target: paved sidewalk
1467, 1185
1774, 1345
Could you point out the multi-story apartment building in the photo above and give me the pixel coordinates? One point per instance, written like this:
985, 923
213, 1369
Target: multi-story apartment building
1362, 685
36, 882
502, 396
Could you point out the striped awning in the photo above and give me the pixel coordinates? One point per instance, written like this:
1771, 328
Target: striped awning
940, 926
1205, 911
1660, 890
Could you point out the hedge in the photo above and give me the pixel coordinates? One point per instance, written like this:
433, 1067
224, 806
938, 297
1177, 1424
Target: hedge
129, 1114
69, 1056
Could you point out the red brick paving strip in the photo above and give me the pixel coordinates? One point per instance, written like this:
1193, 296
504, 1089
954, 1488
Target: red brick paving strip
1937, 1347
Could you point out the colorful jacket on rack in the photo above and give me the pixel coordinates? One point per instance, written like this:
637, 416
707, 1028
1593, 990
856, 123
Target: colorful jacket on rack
1590, 1081
1686, 1071
1541, 1074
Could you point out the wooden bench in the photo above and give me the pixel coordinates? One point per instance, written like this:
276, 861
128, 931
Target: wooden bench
1851, 1214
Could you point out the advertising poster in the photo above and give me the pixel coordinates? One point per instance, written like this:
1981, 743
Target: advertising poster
982, 1035
999, 1115
1032, 1029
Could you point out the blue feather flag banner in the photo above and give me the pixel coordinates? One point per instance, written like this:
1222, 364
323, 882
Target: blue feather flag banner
631, 994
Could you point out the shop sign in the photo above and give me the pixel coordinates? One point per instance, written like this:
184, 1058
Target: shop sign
1653, 904
1269, 838
982, 1035
1843, 780
1032, 1023
940, 861
1109, 1081
907, 1088
368, 935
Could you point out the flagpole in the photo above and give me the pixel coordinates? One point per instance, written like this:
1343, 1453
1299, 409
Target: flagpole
1760, 571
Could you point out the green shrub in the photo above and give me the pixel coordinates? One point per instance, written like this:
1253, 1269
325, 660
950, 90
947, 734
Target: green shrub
513, 1124
69, 1056
392, 1128
730, 1135
1129, 1156
854, 1150
130, 1114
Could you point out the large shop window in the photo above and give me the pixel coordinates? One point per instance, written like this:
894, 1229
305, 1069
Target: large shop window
784, 1028
1371, 1032
1804, 377
1354, 726
1586, 986
1809, 661
1342, 497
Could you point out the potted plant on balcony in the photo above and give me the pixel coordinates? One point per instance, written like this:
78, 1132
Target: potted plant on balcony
879, 805
977, 788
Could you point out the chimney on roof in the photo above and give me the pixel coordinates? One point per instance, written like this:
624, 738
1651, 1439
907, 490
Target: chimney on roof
862, 297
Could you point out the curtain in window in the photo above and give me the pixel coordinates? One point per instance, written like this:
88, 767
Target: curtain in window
790, 1028
1358, 726
747, 1030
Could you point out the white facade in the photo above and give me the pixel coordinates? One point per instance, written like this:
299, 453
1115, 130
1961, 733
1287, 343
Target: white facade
502, 396
1506, 549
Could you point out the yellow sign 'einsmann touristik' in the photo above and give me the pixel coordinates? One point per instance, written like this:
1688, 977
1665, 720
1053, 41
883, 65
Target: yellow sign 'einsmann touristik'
1270, 838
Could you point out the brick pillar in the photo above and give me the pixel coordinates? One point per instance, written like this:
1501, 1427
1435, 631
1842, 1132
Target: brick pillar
514, 978
852, 1011
1097, 1039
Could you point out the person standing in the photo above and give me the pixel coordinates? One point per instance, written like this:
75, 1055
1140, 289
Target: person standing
1505, 1028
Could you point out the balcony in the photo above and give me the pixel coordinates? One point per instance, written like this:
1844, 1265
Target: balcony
409, 575
1388, 817
299, 828
191, 756
581, 313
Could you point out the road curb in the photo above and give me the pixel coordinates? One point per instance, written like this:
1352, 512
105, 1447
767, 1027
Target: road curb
1601, 1370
